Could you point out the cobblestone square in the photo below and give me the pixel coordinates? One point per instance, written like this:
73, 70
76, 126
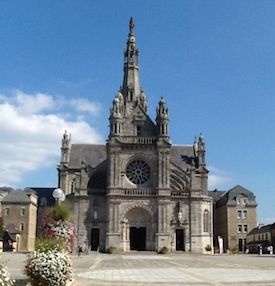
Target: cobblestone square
148, 268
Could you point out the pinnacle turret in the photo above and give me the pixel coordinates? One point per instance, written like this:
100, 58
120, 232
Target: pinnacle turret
162, 118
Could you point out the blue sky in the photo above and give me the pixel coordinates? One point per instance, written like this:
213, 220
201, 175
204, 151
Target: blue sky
213, 62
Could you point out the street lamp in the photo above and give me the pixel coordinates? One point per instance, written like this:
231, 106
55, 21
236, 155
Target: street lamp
59, 195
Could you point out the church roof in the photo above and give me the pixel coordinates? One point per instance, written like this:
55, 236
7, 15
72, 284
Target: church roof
92, 154
182, 156
95, 154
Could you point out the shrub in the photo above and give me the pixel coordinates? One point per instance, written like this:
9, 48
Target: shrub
61, 212
49, 243
60, 231
5, 276
163, 250
208, 247
235, 250
51, 268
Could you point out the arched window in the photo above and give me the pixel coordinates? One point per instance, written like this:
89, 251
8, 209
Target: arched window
206, 221
72, 187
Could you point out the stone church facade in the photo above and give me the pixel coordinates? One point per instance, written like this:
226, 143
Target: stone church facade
138, 191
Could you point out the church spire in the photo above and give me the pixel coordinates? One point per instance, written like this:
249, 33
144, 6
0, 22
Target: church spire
131, 89
132, 25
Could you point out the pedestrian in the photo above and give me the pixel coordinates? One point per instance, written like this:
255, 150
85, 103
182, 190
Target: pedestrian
79, 250
260, 250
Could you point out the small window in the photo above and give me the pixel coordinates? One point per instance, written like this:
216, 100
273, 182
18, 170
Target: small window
72, 187
239, 228
239, 214
7, 211
245, 214
206, 221
22, 226
138, 130
22, 211
245, 228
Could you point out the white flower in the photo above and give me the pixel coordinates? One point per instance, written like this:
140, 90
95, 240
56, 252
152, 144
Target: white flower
53, 268
5, 276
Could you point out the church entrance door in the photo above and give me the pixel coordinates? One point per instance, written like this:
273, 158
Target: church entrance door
94, 238
137, 238
180, 239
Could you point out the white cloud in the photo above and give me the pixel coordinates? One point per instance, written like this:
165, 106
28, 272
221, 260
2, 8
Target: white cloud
218, 178
31, 134
38, 102
85, 105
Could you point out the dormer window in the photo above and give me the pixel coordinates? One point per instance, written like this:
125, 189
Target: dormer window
241, 201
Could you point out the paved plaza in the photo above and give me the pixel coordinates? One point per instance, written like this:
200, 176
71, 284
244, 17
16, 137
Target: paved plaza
146, 268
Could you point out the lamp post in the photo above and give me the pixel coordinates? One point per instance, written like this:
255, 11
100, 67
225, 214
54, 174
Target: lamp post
59, 195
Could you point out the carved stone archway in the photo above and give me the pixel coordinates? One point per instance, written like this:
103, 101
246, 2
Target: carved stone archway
134, 218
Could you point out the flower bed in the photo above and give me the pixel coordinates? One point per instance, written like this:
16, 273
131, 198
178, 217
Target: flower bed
52, 268
5, 276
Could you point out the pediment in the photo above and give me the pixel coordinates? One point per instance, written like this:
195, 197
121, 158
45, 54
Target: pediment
138, 118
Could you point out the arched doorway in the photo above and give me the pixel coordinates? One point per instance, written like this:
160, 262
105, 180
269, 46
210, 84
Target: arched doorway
137, 229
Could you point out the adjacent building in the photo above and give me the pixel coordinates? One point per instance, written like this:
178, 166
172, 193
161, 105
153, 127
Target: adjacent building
262, 236
235, 215
138, 191
19, 218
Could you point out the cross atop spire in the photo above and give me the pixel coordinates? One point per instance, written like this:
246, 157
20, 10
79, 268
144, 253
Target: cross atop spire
132, 26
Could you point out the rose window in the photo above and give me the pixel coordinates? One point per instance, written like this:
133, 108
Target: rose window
138, 172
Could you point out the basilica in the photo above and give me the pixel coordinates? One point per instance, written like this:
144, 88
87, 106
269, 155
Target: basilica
137, 191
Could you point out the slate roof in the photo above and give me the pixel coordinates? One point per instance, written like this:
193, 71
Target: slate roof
94, 154
263, 229
6, 189
44, 193
11, 228
216, 195
16, 196
10, 232
182, 156
229, 198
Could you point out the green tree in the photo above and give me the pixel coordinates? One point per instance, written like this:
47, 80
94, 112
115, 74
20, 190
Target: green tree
61, 212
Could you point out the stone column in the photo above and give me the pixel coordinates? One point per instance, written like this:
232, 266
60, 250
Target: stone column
113, 235
163, 237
